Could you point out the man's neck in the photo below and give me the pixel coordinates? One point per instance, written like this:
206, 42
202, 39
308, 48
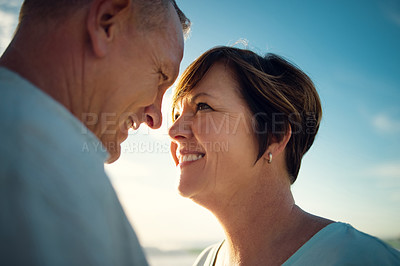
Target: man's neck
51, 73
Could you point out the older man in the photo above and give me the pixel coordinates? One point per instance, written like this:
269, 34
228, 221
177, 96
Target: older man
76, 77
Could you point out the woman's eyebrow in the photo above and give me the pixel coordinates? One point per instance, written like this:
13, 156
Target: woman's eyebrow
193, 98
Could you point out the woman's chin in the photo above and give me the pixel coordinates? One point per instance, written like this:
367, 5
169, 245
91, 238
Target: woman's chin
184, 190
187, 188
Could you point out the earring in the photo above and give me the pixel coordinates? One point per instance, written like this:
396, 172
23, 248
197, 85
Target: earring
269, 157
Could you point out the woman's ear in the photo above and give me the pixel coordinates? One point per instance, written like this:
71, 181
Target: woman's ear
104, 18
278, 147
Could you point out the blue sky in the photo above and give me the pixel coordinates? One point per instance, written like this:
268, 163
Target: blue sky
352, 172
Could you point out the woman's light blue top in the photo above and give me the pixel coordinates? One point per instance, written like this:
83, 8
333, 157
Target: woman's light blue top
336, 244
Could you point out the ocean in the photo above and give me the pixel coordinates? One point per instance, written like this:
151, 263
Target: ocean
171, 259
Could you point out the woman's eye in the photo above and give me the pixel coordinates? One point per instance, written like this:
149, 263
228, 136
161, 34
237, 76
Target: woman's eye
203, 106
176, 116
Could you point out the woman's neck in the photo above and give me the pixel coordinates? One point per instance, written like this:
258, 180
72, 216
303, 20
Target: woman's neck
264, 226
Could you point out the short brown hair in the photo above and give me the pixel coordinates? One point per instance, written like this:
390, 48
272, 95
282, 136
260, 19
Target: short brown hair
150, 9
277, 93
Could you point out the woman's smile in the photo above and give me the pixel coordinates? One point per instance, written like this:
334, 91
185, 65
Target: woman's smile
190, 158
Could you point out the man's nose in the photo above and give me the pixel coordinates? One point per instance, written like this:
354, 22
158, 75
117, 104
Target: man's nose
153, 116
153, 112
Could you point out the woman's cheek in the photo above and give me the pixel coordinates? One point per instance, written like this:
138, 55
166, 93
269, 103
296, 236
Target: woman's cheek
212, 124
173, 148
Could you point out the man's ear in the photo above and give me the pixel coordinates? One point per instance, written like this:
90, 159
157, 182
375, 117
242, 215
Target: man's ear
278, 147
104, 18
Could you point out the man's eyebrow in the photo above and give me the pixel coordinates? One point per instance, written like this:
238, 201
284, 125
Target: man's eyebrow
193, 98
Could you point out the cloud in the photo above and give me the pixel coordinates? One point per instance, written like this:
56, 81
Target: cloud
391, 10
11, 3
387, 176
394, 17
390, 170
385, 124
8, 21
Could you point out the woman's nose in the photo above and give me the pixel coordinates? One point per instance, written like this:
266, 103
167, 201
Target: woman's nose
181, 128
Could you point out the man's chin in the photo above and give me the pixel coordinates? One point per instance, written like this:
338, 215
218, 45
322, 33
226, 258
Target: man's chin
114, 155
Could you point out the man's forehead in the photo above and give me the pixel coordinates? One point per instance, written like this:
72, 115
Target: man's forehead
173, 43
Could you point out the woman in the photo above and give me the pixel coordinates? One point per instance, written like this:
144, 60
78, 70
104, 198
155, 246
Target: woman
242, 124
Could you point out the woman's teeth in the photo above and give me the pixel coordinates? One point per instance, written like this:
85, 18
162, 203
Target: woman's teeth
191, 157
132, 124
129, 123
135, 125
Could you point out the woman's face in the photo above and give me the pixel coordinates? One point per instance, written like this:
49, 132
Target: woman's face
212, 138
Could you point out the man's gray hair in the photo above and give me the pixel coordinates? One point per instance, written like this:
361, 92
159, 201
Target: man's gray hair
152, 11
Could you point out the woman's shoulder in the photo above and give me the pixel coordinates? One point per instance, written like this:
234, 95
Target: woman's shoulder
208, 255
343, 234
340, 243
